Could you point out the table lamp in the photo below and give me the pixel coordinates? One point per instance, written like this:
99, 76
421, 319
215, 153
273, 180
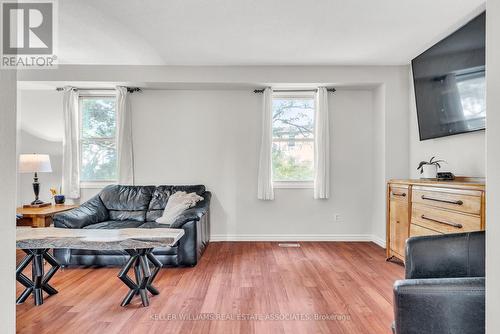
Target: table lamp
35, 163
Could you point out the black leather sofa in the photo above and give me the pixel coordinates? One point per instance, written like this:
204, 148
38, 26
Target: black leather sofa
118, 206
444, 289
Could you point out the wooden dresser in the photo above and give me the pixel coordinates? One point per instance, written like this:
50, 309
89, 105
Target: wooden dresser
426, 207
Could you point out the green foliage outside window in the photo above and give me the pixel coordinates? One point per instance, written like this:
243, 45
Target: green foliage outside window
288, 169
98, 143
293, 142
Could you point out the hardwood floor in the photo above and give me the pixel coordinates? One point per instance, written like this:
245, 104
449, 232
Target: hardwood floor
246, 279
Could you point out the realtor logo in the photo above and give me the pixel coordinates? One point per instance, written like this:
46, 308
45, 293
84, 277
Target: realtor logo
28, 34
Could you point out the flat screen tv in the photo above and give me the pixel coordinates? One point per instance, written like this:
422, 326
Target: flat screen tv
449, 82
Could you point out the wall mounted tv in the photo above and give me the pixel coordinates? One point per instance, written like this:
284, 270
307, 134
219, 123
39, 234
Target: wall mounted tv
449, 82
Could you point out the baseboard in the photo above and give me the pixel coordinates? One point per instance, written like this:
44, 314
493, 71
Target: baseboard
378, 241
298, 237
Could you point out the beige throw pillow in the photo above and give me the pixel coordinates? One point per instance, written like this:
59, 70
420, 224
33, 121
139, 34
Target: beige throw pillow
177, 203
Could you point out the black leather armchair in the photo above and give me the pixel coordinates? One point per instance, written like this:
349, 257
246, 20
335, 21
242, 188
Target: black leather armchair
444, 289
119, 206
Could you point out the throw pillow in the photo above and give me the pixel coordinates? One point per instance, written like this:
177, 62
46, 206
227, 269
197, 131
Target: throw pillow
177, 204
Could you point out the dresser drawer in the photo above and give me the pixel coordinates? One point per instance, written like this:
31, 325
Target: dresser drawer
417, 230
444, 221
399, 192
452, 199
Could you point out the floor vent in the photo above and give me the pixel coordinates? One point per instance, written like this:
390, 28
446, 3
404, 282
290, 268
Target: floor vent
289, 245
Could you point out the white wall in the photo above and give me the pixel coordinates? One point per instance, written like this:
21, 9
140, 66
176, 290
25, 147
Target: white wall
378, 173
8, 127
41, 131
465, 154
213, 137
493, 168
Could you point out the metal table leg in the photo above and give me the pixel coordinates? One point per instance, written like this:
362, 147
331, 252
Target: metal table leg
40, 280
144, 276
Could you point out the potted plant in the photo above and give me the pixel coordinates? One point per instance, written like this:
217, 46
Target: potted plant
429, 168
58, 197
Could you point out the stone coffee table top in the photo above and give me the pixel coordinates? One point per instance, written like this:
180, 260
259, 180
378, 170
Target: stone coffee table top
96, 239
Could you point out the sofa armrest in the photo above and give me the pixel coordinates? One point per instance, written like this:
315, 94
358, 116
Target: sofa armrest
449, 255
195, 213
91, 212
443, 305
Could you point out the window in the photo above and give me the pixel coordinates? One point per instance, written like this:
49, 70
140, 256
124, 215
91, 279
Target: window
293, 140
471, 88
98, 158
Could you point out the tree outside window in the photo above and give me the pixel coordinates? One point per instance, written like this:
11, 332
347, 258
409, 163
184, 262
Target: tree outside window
98, 158
293, 139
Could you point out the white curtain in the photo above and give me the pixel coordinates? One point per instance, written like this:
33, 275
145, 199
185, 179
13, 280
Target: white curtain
124, 148
265, 181
71, 147
321, 146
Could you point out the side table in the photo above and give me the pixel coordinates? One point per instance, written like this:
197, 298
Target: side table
40, 217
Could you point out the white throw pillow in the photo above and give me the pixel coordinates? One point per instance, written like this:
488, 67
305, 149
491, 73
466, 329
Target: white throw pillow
177, 203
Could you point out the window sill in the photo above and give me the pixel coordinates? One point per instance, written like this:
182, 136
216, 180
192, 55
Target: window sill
95, 184
293, 185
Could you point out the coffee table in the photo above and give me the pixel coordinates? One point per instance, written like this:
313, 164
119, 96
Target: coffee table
137, 242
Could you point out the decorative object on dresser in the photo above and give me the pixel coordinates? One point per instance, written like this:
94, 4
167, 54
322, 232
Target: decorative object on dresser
428, 207
445, 176
42, 216
137, 243
428, 169
35, 163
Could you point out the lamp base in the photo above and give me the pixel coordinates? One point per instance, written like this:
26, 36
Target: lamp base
37, 202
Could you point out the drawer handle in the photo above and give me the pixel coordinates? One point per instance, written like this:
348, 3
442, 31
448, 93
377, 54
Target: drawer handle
442, 200
398, 194
442, 222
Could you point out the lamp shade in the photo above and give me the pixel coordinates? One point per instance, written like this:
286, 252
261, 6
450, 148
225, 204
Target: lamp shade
31, 163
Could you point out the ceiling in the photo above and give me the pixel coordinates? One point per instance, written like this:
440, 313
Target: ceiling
255, 32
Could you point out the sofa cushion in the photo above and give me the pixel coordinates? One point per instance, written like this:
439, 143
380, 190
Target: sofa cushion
161, 195
91, 212
115, 224
198, 189
127, 202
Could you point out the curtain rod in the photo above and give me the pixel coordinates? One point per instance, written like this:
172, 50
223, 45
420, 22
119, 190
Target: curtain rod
137, 89
129, 89
332, 90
